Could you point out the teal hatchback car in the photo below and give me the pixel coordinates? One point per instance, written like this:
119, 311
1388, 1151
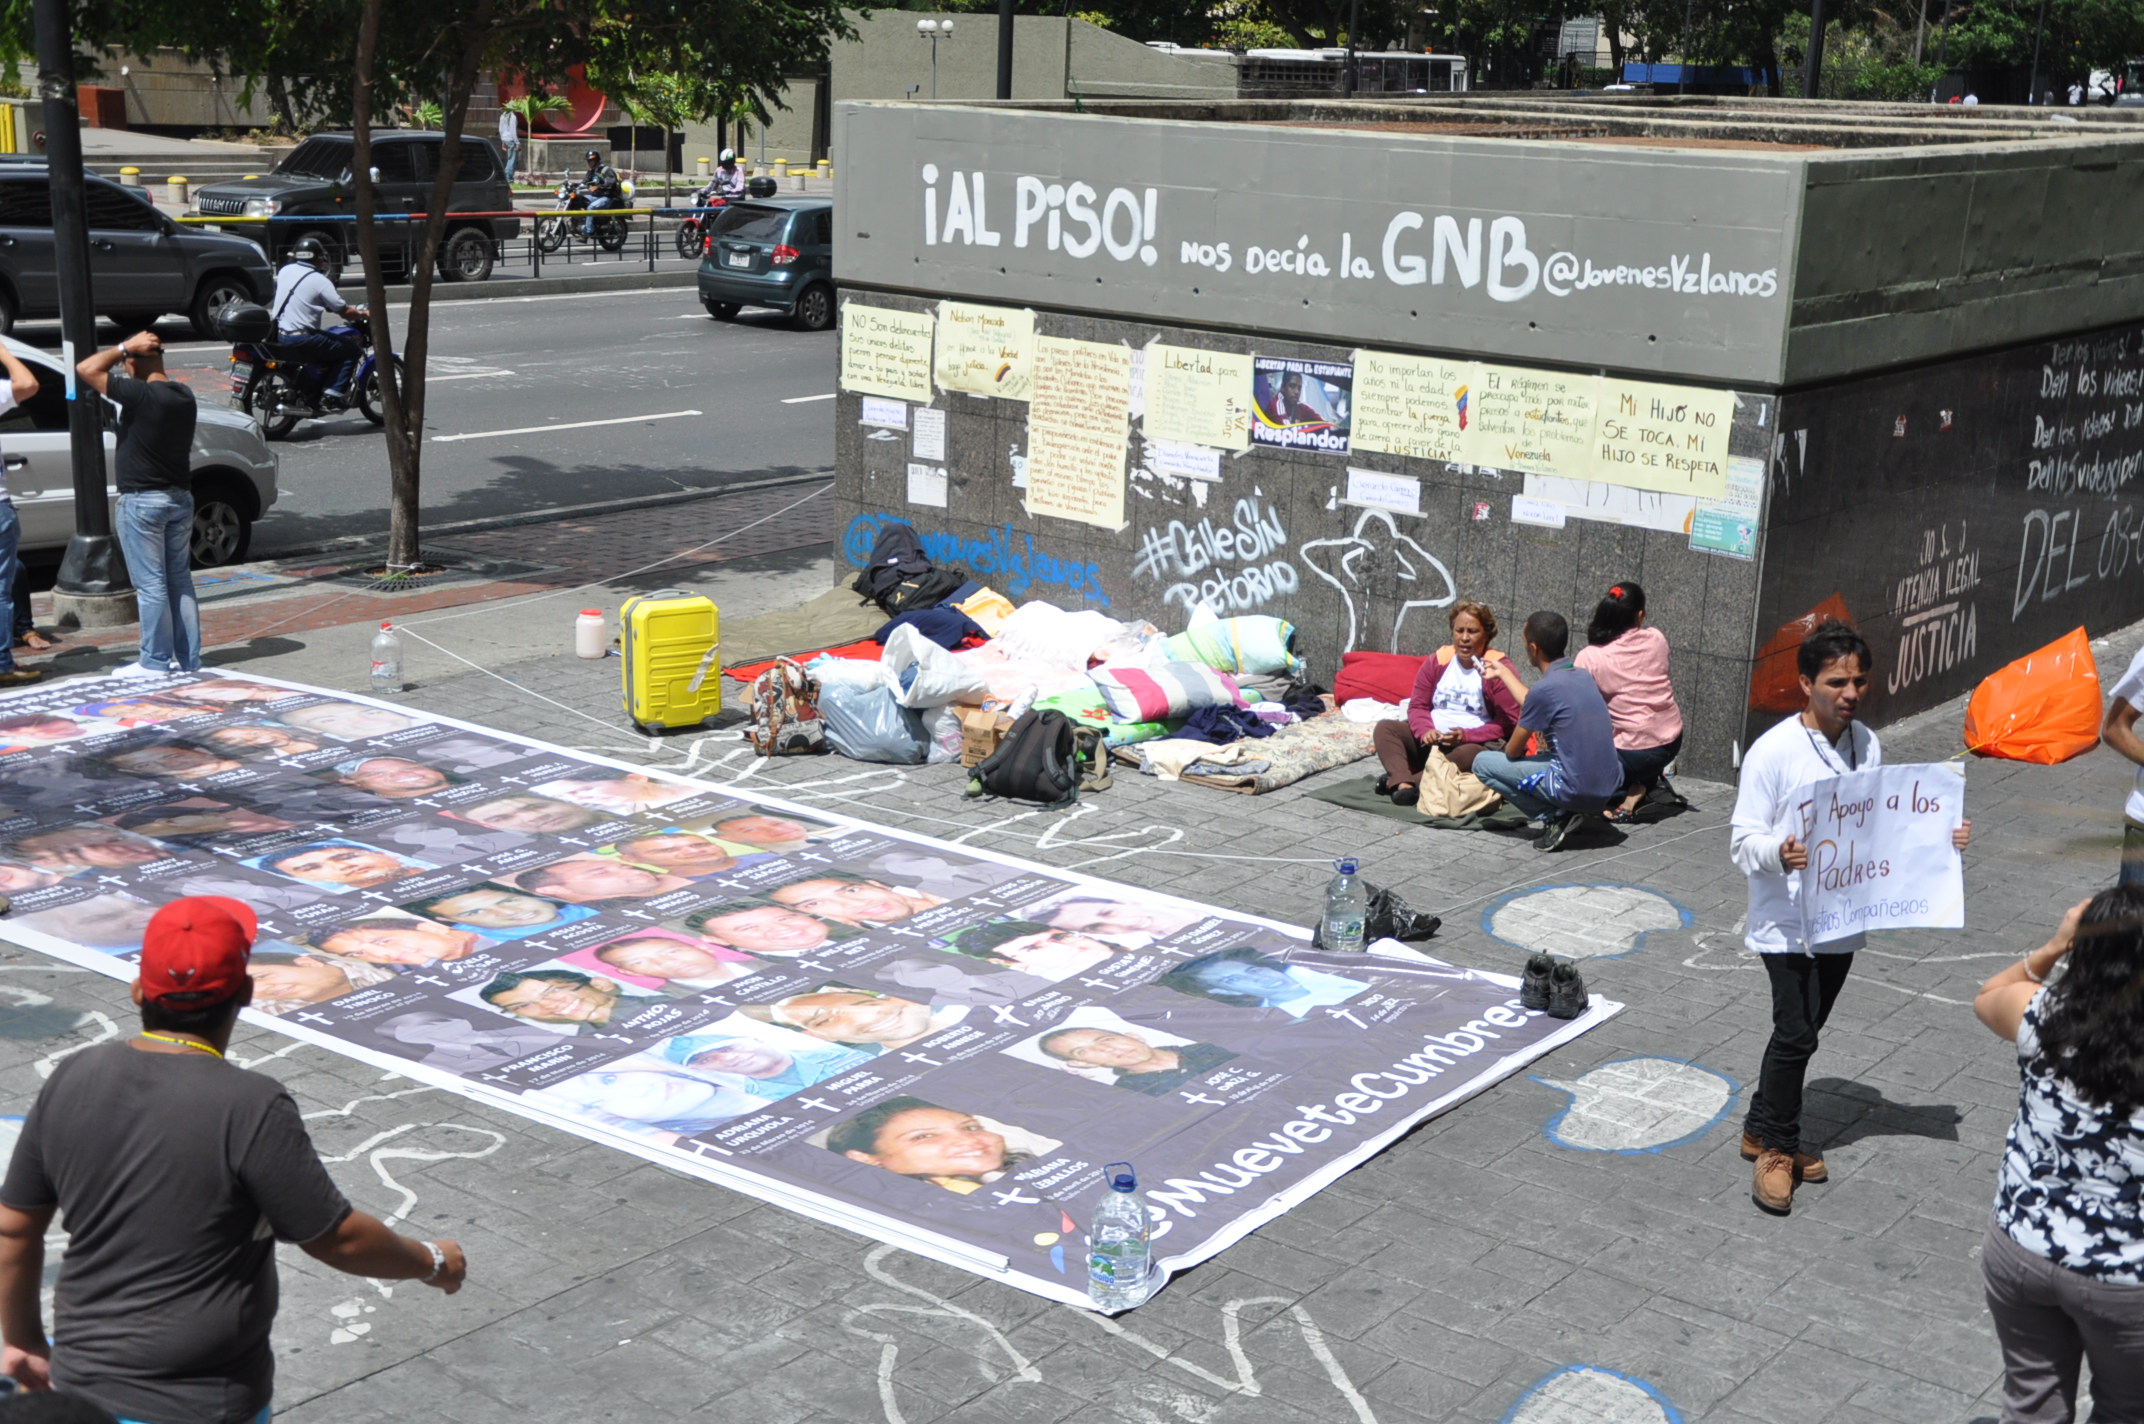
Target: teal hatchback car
772, 252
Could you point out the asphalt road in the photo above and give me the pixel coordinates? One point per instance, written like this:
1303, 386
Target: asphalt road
515, 383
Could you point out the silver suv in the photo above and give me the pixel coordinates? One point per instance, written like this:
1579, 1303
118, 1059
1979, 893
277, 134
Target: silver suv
234, 469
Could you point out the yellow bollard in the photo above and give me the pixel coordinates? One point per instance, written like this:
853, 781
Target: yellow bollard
130, 176
175, 189
781, 168
826, 168
706, 167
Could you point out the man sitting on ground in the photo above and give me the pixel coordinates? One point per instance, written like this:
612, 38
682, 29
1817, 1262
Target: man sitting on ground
1581, 773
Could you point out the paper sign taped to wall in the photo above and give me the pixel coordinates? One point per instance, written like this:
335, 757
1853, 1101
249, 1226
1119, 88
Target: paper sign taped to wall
986, 351
1671, 438
1197, 397
1544, 512
929, 434
1615, 504
1377, 490
886, 352
1880, 856
1413, 405
1079, 419
1535, 422
1729, 526
878, 410
926, 485
1184, 462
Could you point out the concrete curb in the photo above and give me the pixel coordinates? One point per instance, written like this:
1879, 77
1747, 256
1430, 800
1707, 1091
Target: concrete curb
626, 281
352, 543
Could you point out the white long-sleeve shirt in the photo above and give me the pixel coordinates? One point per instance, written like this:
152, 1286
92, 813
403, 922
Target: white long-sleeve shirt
1776, 772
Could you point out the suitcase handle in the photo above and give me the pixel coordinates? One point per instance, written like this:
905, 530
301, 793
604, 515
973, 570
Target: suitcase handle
670, 593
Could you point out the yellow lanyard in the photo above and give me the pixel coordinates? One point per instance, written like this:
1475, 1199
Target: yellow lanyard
182, 1043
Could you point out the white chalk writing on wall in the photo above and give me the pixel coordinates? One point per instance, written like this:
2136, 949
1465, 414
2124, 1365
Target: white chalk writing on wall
1938, 621
2085, 440
1375, 545
1227, 566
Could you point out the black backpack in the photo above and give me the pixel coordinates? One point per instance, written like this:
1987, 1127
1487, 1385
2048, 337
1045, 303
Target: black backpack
926, 590
1045, 757
896, 554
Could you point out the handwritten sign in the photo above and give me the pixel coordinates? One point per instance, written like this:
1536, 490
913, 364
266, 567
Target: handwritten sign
886, 352
1880, 856
986, 351
1413, 405
1668, 438
1079, 418
1613, 504
1196, 397
1373, 489
1535, 422
1729, 526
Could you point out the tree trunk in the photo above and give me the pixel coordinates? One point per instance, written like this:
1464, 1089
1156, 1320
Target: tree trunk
401, 457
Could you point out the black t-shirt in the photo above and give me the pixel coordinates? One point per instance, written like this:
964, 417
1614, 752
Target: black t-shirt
156, 434
174, 1175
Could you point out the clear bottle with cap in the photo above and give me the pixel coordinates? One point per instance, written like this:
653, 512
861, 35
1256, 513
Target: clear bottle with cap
590, 634
387, 662
1347, 905
1120, 1243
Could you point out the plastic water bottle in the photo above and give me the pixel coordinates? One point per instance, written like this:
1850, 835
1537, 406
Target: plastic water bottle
1347, 905
589, 634
387, 662
1120, 1243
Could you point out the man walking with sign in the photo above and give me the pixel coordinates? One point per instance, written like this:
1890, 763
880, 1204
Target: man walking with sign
1823, 741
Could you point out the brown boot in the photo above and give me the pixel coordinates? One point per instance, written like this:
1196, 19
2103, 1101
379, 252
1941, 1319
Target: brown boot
1808, 1167
1772, 1186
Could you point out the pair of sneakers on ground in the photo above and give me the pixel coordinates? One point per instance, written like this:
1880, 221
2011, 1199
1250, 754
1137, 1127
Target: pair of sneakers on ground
1553, 986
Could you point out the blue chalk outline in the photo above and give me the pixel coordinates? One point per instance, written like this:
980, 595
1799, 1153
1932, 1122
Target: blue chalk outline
1488, 914
1548, 1129
1674, 1415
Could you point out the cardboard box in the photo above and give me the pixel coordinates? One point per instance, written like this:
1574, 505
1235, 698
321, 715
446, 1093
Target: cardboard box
980, 732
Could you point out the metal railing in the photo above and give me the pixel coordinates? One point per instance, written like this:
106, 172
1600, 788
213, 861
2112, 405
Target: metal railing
649, 245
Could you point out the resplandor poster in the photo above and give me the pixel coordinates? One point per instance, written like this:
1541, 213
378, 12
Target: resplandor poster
928, 1044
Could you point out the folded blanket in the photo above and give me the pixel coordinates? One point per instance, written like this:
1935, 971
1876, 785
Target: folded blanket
1256, 644
1165, 690
1169, 759
1292, 753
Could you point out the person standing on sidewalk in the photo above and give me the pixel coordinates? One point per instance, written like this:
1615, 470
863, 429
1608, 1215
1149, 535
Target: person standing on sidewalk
2063, 1260
21, 385
2125, 703
1823, 740
510, 141
176, 1173
154, 470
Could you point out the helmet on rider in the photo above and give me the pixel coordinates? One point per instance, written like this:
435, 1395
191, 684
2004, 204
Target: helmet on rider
594, 157
729, 155
309, 249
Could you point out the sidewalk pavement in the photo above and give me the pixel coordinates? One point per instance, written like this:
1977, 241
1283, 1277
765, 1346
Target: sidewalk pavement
1574, 1245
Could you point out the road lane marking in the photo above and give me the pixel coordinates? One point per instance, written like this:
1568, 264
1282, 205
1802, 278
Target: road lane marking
466, 376
801, 400
570, 425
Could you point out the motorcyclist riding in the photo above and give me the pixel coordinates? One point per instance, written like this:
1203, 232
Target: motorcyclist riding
304, 299
729, 178
602, 187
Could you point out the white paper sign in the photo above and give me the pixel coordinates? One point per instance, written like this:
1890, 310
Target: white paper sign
929, 433
1880, 856
1375, 490
1185, 462
926, 485
880, 411
1544, 512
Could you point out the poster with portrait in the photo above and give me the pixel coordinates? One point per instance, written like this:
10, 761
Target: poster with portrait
925, 1043
1302, 405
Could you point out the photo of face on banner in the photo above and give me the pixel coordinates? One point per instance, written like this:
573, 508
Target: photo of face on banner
498, 911
676, 852
1123, 919
441, 841
392, 778
648, 1098
229, 692
778, 832
39, 729
259, 741
145, 711
396, 939
19, 877
863, 1019
345, 721
198, 821
84, 849
112, 923
594, 879
1095, 1044
563, 1000
287, 980
340, 866
528, 815
758, 1058
167, 760
960, 1152
617, 793
664, 959
1031, 948
458, 1045
852, 900
759, 926
1245, 978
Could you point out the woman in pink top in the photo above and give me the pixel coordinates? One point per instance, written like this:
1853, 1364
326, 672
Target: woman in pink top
1629, 662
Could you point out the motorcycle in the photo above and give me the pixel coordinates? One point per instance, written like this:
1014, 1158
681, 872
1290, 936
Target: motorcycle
279, 389
695, 228
554, 232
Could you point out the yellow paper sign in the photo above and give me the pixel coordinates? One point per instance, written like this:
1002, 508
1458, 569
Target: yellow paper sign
1197, 397
1078, 421
886, 352
1412, 405
1535, 422
986, 351
1671, 438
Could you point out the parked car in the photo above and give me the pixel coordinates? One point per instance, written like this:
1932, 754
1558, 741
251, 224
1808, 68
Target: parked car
314, 180
772, 252
142, 264
234, 470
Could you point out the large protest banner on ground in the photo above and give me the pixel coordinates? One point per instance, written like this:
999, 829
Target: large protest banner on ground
925, 1043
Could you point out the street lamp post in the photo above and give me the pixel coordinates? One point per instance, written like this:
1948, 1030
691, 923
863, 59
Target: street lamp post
934, 31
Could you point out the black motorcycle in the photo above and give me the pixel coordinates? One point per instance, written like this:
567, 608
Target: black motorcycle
279, 388
555, 231
699, 221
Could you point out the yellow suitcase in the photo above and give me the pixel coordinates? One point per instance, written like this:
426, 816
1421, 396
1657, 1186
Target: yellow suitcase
673, 659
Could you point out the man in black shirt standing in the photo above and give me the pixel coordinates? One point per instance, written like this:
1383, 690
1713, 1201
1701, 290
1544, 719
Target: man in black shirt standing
176, 1173
154, 469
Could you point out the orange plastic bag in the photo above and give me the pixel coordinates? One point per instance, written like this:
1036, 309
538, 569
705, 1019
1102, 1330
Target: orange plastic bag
2042, 708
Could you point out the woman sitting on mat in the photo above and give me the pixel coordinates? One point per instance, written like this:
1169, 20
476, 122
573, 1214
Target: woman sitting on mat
1465, 698
1629, 663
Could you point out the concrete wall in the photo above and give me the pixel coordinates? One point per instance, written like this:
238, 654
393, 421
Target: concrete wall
1053, 58
1298, 551
167, 90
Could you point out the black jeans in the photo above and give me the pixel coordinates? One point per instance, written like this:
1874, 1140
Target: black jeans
1804, 987
337, 358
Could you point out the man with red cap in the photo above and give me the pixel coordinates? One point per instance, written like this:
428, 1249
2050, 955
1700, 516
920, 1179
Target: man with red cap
176, 1173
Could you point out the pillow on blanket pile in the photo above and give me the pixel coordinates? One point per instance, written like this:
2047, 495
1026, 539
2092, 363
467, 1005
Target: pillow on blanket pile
1163, 691
1260, 644
1381, 677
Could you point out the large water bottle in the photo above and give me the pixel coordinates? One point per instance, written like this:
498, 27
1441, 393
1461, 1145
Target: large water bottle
1347, 905
1120, 1243
387, 662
